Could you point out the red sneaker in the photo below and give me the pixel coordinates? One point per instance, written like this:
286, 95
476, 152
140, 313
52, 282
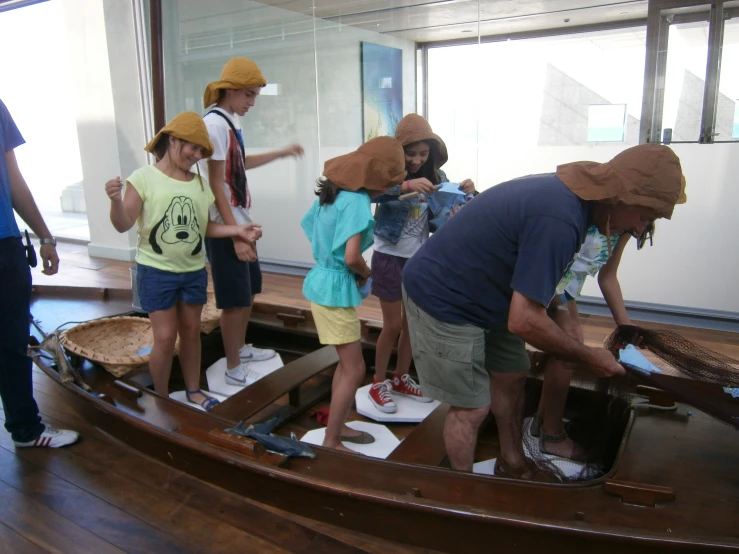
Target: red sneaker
379, 394
407, 386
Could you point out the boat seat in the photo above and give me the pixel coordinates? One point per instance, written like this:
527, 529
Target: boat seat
425, 444
269, 388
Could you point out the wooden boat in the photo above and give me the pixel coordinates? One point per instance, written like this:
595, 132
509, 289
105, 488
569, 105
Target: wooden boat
670, 482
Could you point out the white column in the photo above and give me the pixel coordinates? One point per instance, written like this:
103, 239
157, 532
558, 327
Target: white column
110, 123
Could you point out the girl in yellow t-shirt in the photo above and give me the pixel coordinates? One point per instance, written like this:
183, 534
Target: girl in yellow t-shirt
170, 204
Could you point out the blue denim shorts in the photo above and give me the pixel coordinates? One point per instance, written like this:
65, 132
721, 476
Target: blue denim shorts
161, 290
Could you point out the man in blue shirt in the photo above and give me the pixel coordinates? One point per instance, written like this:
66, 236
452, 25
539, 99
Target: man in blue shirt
479, 288
16, 389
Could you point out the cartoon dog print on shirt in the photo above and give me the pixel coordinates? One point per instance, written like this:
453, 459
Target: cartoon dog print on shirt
179, 224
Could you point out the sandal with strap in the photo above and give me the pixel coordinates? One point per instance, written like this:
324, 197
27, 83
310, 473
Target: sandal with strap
578, 452
208, 404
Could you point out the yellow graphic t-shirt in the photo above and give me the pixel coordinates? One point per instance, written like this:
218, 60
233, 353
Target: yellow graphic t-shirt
173, 220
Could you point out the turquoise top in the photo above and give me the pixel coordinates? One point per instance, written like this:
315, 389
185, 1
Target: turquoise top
328, 227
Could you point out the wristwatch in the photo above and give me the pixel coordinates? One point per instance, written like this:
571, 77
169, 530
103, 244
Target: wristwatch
51, 241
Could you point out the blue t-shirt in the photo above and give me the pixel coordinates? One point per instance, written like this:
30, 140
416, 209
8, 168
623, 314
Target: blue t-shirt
10, 138
329, 227
520, 235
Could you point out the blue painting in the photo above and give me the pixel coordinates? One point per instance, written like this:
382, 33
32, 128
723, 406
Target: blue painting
382, 89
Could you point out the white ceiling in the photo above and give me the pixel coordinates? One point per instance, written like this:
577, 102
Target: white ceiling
441, 20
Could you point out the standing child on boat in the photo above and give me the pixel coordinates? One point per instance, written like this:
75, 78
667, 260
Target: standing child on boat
402, 227
170, 204
237, 277
339, 227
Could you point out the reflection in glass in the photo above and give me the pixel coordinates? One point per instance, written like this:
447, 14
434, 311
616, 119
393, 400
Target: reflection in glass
727, 112
687, 54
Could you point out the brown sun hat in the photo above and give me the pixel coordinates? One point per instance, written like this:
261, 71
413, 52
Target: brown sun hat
238, 73
187, 126
647, 175
414, 128
376, 165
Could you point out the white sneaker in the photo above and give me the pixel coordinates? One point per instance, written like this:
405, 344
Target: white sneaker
241, 376
249, 353
52, 438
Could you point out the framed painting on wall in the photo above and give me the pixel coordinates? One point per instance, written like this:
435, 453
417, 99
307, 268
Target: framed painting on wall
382, 89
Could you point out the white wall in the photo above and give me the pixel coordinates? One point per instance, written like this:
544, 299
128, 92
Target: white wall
693, 262
108, 108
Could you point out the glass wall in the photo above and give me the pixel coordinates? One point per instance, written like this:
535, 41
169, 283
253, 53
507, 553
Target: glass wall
37, 90
512, 107
320, 72
511, 90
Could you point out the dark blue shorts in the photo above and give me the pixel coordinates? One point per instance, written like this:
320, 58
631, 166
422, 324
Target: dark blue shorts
387, 276
234, 281
161, 290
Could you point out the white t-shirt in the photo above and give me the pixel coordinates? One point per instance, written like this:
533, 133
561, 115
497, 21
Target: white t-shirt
226, 148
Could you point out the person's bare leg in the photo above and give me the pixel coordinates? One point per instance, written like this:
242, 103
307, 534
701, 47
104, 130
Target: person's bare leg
557, 377
460, 435
246, 315
164, 328
188, 328
507, 404
405, 355
391, 326
347, 377
233, 332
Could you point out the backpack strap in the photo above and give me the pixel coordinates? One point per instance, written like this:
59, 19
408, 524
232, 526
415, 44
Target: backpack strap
231, 125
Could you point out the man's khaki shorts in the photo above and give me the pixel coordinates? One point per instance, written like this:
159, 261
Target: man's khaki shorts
453, 361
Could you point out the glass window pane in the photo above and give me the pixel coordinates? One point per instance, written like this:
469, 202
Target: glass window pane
727, 113
50, 158
516, 124
199, 38
685, 80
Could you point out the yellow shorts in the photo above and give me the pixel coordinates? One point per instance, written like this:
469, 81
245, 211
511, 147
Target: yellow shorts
335, 325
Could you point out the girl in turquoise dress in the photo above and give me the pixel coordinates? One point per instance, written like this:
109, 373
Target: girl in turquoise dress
339, 226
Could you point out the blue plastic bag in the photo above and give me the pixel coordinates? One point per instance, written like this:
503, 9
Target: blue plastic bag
442, 202
365, 289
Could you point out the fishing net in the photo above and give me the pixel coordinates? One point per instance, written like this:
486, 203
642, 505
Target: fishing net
675, 355
596, 419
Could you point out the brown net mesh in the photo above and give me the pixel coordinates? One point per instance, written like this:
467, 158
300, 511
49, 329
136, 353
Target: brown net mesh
676, 355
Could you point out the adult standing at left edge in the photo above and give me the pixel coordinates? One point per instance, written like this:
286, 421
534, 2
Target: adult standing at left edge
22, 418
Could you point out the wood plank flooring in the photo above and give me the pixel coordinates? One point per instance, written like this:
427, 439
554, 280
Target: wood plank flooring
100, 496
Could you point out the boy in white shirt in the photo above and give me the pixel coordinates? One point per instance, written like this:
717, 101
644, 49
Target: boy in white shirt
237, 277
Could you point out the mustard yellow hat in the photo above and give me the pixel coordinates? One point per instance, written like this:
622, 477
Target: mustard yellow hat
238, 73
376, 165
647, 175
187, 126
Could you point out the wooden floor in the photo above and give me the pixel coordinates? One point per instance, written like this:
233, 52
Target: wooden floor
100, 496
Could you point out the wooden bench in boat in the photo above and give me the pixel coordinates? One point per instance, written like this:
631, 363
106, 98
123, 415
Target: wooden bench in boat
425, 444
286, 380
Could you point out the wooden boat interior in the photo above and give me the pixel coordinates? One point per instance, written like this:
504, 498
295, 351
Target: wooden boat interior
662, 468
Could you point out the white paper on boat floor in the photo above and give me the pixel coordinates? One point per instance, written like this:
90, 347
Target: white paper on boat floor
180, 396
385, 441
409, 410
486, 467
216, 374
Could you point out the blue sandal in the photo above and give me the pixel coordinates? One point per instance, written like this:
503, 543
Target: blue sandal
208, 404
